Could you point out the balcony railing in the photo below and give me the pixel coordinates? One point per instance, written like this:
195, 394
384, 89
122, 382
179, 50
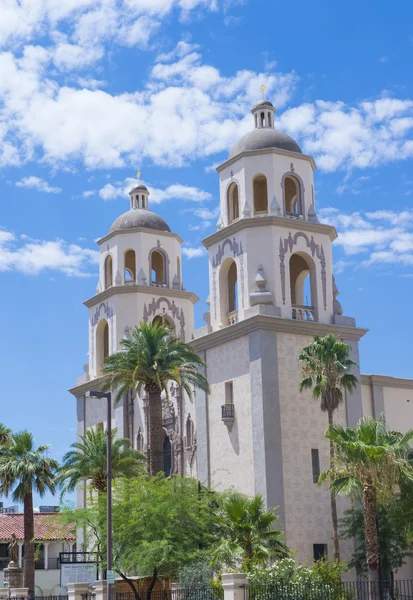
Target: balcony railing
303, 313
228, 415
232, 317
39, 565
158, 284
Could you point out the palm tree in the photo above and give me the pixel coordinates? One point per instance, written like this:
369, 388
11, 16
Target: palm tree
372, 461
150, 359
5, 435
248, 533
326, 366
25, 469
87, 461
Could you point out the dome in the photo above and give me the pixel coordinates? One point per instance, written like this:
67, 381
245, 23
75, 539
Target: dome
139, 217
139, 188
262, 104
265, 137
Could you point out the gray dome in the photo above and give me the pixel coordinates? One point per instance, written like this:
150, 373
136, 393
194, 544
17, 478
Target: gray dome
138, 188
139, 217
265, 137
262, 103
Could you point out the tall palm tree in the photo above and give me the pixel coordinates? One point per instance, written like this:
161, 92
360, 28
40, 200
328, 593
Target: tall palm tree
150, 359
372, 461
25, 469
326, 366
248, 533
86, 461
5, 435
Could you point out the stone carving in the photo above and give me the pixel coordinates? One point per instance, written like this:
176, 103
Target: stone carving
292, 167
337, 308
234, 246
220, 222
175, 283
261, 295
312, 216
107, 312
142, 277
13, 549
316, 250
247, 210
118, 278
177, 313
275, 208
98, 287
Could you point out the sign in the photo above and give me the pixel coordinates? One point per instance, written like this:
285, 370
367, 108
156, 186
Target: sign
78, 573
110, 576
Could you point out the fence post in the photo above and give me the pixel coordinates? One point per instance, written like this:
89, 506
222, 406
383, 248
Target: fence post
235, 586
22, 593
101, 590
78, 591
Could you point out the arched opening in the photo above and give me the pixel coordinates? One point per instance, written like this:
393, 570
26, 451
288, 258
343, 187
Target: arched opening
303, 287
102, 344
269, 120
292, 196
130, 266
189, 438
178, 269
158, 271
262, 119
260, 195
165, 320
167, 456
233, 203
228, 278
108, 272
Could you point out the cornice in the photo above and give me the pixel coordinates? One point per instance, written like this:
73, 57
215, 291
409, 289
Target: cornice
245, 327
143, 289
93, 384
259, 152
284, 222
139, 230
387, 381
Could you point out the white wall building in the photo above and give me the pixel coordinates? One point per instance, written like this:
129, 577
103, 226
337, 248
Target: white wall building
271, 280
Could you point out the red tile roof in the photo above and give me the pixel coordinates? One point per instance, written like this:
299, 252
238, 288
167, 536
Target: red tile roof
45, 527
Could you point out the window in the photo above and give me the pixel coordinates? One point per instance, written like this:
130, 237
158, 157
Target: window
233, 203
315, 461
292, 196
165, 320
130, 266
228, 292
303, 287
260, 194
319, 551
229, 392
102, 343
262, 119
189, 432
232, 288
158, 273
139, 441
108, 272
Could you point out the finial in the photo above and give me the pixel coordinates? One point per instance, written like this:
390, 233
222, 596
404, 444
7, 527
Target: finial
138, 175
262, 90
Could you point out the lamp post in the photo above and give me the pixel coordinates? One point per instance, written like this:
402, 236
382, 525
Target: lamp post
108, 397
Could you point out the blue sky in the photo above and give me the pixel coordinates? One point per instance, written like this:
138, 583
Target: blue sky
90, 91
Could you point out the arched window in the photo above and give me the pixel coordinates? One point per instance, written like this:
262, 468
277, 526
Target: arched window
165, 320
189, 430
102, 344
108, 272
260, 195
269, 119
167, 456
130, 266
140, 442
303, 287
233, 203
262, 119
229, 292
292, 196
158, 272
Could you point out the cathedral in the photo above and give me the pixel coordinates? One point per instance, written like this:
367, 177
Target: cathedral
271, 288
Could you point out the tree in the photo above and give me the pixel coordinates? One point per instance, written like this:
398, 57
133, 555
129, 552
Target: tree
371, 461
248, 535
25, 469
150, 359
326, 366
394, 541
87, 461
5, 435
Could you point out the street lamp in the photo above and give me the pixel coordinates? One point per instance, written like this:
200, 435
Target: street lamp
108, 396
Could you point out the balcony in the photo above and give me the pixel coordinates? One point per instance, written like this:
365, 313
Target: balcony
228, 415
39, 564
303, 313
158, 284
232, 317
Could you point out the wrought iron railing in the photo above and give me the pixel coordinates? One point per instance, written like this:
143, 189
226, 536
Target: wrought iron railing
228, 411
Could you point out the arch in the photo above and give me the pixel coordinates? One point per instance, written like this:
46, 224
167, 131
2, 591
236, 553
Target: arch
303, 287
260, 193
167, 455
165, 320
262, 119
130, 266
108, 272
228, 286
233, 202
102, 344
292, 194
269, 119
158, 268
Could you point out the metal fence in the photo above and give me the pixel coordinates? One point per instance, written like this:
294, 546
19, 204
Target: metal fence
355, 590
205, 593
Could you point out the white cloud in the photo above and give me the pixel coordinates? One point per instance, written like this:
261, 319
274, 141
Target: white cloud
38, 184
207, 217
190, 251
32, 257
175, 191
89, 193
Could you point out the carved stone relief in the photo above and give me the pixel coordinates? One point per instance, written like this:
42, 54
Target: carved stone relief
104, 309
176, 312
234, 246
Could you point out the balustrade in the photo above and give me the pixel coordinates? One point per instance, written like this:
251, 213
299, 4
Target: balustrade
303, 313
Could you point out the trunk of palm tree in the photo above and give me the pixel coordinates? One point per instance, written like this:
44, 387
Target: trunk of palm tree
28, 571
371, 535
333, 502
156, 433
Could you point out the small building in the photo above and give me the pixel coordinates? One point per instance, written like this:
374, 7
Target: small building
51, 538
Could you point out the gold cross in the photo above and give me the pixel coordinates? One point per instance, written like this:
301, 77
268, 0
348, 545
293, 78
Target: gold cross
138, 175
262, 90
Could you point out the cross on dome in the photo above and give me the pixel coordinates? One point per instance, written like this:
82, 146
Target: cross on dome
139, 195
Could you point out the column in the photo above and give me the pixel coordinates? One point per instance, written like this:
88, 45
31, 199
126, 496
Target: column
20, 545
46, 555
101, 590
77, 591
235, 586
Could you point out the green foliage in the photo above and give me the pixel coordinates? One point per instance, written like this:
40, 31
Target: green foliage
87, 461
152, 358
248, 535
393, 537
287, 572
195, 575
